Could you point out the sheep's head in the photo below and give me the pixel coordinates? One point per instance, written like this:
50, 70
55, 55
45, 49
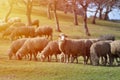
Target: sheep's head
62, 37
19, 55
42, 57
94, 59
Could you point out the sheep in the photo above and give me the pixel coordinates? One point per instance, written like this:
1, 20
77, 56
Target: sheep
17, 24
74, 47
46, 30
32, 46
15, 46
35, 22
100, 49
51, 49
107, 37
8, 31
22, 31
13, 20
4, 26
115, 50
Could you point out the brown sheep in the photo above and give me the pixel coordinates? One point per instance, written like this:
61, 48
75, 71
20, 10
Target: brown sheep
15, 46
8, 32
74, 47
22, 31
46, 30
32, 46
51, 49
35, 22
100, 49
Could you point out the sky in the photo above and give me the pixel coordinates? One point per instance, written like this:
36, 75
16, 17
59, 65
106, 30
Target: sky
113, 15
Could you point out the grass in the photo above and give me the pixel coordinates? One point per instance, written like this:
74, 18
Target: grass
32, 70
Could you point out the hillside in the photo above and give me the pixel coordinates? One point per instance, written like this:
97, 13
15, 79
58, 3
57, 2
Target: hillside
36, 70
66, 22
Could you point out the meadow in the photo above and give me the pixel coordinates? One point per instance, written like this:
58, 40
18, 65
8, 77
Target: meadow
36, 70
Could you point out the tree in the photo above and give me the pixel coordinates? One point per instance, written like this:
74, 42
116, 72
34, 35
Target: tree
11, 3
109, 7
74, 12
84, 4
28, 4
49, 10
53, 5
100, 5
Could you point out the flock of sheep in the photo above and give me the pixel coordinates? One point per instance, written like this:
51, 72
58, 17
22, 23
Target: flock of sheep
19, 30
28, 43
68, 50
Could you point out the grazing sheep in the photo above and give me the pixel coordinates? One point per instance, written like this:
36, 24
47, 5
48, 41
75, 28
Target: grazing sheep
62, 57
115, 50
13, 20
18, 24
35, 22
7, 32
74, 47
51, 49
4, 26
46, 30
22, 31
15, 46
107, 37
100, 49
32, 46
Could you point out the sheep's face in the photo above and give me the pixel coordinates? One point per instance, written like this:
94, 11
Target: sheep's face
42, 57
62, 38
95, 60
18, 56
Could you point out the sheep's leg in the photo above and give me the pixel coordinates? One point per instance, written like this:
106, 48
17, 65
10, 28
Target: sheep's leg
72, 59
88, 56
30, 57
49, 58
84, 59
105, 60
65, 58
90, 60
35, 56
76, 59
68, 58
102, 60
56, 57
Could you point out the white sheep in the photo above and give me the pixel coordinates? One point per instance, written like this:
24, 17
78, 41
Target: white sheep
22, 31
51, 49
46, 30
15, 46
32, 46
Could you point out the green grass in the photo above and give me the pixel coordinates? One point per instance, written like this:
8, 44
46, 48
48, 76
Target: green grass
32, 70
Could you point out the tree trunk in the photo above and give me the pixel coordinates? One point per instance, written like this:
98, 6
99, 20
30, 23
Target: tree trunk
48, 10
94, 17
106, 16
108, 9
7, 15
85, 23
74, 12
56, 18
29, 9
100, 14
